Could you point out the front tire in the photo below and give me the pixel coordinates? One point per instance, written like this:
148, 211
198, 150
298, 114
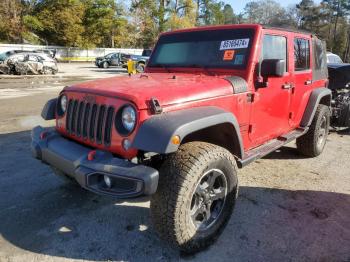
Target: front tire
196, 195
105, 65
313, 142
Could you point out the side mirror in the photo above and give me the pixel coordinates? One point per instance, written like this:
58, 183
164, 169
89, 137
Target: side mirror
272, 67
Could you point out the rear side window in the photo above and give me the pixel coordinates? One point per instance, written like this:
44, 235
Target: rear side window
301, 54
319, 67
275, 47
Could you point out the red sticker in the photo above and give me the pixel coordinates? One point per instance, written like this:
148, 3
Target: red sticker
229, 54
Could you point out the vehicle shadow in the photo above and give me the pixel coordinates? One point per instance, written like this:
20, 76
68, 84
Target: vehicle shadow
285, 152
344, 132
40, 214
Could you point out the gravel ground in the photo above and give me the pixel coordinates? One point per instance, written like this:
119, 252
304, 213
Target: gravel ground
290, 208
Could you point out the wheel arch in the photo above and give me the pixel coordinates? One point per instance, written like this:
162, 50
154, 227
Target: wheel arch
206, 124
318, 96
228, 140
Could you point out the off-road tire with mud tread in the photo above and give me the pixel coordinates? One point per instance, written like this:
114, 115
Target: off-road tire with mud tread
179, 176
307, 144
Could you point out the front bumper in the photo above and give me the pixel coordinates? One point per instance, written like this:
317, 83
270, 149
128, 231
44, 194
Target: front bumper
128, 180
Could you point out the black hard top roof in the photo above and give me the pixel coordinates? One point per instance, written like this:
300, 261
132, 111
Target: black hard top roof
289, 29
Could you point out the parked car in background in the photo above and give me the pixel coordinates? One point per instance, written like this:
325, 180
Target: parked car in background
7, 54
29, 63
112, 59
48, 52
333, 59
121, 59
141, 60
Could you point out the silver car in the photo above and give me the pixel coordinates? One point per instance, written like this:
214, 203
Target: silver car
29, 63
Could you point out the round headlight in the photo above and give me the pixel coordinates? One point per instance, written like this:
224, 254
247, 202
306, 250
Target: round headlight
128, 118
63, 102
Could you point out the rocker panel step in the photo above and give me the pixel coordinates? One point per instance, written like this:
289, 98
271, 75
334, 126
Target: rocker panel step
270, 146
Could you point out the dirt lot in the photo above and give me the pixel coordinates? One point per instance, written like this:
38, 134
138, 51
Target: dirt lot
289, 208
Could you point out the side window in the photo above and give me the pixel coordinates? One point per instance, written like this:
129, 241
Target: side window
33, 58
301, 54
275, 47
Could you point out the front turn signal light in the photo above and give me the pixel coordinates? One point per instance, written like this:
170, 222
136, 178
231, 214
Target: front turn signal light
176, 140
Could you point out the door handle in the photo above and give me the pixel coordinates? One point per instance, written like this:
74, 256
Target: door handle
308, 82
287, 86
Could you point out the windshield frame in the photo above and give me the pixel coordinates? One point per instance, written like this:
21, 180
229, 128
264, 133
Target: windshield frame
250, 32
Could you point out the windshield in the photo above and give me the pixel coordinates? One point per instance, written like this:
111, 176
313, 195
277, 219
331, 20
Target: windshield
3, 56
225, 48
109, 55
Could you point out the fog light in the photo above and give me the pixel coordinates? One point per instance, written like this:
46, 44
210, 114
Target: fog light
126, 144
108, 181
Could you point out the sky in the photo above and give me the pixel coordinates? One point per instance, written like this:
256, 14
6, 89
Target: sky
238, 5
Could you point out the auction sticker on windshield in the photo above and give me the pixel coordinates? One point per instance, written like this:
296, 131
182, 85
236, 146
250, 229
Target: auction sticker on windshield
234, 44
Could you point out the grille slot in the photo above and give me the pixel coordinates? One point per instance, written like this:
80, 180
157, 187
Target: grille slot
80, 113
69, 115
86, 120
108, 126
74, 116
100, 120
90, 121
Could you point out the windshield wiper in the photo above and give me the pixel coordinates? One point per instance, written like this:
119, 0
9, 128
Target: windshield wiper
202, 67
162, 66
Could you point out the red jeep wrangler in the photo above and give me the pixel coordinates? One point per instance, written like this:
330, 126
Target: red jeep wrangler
211, 99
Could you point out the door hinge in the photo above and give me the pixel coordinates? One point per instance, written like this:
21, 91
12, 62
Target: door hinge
250, 128
250, 98
291, 115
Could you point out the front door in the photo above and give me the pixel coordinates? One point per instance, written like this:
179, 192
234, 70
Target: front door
271, 106
115, 59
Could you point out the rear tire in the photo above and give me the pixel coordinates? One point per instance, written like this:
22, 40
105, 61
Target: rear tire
313, 142
196, 195
140, 68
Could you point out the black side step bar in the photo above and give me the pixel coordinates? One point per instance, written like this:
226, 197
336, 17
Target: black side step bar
270, 146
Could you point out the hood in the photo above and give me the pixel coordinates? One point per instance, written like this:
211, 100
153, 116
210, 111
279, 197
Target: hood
167, 88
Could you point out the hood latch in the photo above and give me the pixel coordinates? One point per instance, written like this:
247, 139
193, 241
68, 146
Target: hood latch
155, 106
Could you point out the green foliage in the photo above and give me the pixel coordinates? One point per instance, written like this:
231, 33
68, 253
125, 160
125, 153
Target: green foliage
10, 21
229, 15
62, 21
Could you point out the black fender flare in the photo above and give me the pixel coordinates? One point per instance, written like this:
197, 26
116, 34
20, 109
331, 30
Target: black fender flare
314, 100
49, 110
154, 134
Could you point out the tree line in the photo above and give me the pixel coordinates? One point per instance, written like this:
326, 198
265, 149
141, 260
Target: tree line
137, 23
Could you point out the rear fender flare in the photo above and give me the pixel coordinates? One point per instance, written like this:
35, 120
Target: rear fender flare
154, 135
319, 95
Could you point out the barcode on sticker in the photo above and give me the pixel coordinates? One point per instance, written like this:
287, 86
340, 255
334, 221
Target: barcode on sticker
234, 44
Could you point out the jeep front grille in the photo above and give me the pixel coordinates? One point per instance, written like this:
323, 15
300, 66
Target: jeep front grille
90, 121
